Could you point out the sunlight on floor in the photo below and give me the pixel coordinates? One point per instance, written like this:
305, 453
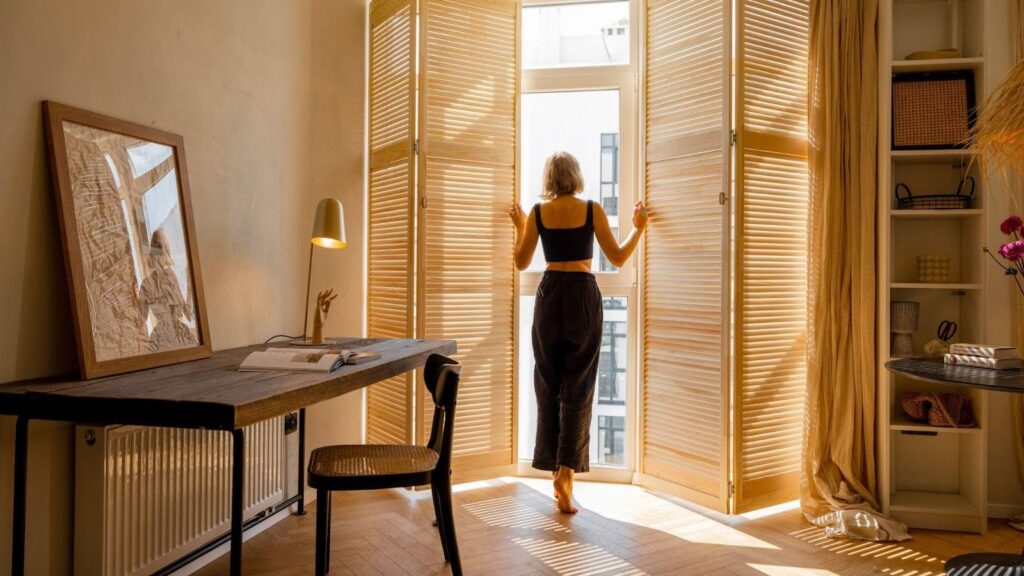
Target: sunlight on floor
618, 521
576, 559
510, 512
790, 570
879, 550
771, 510
650, 511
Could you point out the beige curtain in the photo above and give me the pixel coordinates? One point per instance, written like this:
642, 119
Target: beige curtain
838, 483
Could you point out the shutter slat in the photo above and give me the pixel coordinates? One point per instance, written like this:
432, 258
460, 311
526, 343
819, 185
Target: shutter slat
684, 396
771, 278
390, 211
467, 174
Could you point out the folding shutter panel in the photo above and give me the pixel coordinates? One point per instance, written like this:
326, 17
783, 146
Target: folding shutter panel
684, 386
468, 115
391, 207
771, 264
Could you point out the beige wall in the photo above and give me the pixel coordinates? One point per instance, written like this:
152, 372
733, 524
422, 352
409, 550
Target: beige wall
269, 98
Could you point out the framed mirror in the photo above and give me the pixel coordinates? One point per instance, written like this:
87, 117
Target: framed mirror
129, 242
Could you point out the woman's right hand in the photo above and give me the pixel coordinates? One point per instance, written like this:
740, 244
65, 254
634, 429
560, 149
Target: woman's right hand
518, 216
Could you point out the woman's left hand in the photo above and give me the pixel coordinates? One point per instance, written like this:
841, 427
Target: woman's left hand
640, 216
518, 216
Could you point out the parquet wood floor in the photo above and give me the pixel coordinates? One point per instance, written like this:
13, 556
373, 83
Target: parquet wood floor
510, 526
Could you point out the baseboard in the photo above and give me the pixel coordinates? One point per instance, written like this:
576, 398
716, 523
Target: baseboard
1002, 510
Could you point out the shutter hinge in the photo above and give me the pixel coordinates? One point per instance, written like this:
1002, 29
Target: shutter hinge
732, 489
416, 146
722, 198
423, 202
732, 137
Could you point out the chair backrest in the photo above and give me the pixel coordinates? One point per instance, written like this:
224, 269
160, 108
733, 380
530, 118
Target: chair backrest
441, 375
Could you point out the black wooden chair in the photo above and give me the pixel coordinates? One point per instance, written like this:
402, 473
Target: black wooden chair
376, 466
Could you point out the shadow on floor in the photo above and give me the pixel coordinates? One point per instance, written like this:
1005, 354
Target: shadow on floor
510, 526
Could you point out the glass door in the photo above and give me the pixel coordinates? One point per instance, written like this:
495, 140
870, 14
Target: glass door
579, 97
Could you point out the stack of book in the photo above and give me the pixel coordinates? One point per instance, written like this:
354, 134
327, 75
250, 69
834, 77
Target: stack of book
983, 356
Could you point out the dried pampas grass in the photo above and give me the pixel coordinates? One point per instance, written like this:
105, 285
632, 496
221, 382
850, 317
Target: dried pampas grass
999, 132
998, 136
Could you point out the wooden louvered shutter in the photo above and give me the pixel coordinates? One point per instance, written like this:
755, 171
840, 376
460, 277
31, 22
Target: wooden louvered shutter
771, 250
468, 151
685, 384
391, 207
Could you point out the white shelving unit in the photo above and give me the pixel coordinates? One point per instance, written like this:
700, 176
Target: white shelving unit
930, 477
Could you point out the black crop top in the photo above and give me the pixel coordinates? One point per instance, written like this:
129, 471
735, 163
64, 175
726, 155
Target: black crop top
567, 244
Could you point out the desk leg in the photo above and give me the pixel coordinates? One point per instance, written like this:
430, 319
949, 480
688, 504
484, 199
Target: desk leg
20, 486
300, 509
237, 498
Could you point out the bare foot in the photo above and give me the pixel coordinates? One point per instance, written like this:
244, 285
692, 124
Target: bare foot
554, 474
563, 491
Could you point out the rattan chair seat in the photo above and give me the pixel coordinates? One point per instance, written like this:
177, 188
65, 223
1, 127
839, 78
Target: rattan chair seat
369, 460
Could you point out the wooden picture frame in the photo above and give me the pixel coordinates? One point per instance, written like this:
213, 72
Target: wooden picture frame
129, 241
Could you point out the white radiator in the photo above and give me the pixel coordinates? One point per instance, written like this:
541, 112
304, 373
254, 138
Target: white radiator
144, 496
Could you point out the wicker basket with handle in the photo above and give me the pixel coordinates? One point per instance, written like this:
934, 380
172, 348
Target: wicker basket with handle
961, 200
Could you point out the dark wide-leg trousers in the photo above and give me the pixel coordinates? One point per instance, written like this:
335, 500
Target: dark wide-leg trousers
567, 325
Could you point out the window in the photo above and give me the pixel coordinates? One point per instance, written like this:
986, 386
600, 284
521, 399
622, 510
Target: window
611, 437
576, 35
611, 371
579, 94
610, 188
576, 122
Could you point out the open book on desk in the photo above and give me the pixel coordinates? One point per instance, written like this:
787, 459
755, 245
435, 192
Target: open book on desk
308, 360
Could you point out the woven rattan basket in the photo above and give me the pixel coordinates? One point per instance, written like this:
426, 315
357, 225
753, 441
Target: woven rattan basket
932, 110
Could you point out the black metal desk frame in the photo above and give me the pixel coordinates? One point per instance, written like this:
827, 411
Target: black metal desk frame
28, 405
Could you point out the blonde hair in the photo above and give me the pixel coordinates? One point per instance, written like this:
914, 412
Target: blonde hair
562, 176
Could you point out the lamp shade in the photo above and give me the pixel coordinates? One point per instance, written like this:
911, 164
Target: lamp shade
329, 225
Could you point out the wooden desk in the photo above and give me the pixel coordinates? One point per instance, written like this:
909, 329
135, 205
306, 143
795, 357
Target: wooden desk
205, 394
987, 563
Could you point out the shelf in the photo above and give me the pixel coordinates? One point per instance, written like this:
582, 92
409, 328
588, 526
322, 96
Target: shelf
932, 503
925, 286
931, 156
904, 423
938, 65
921, 214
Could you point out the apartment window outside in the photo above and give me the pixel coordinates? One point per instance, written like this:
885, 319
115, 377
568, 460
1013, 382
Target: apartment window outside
611, 371
611, 436
609, 193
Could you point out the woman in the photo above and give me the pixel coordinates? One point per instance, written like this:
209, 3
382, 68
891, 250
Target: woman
568, 315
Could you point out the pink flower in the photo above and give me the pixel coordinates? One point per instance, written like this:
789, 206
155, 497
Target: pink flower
1011, 225
1012, 251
